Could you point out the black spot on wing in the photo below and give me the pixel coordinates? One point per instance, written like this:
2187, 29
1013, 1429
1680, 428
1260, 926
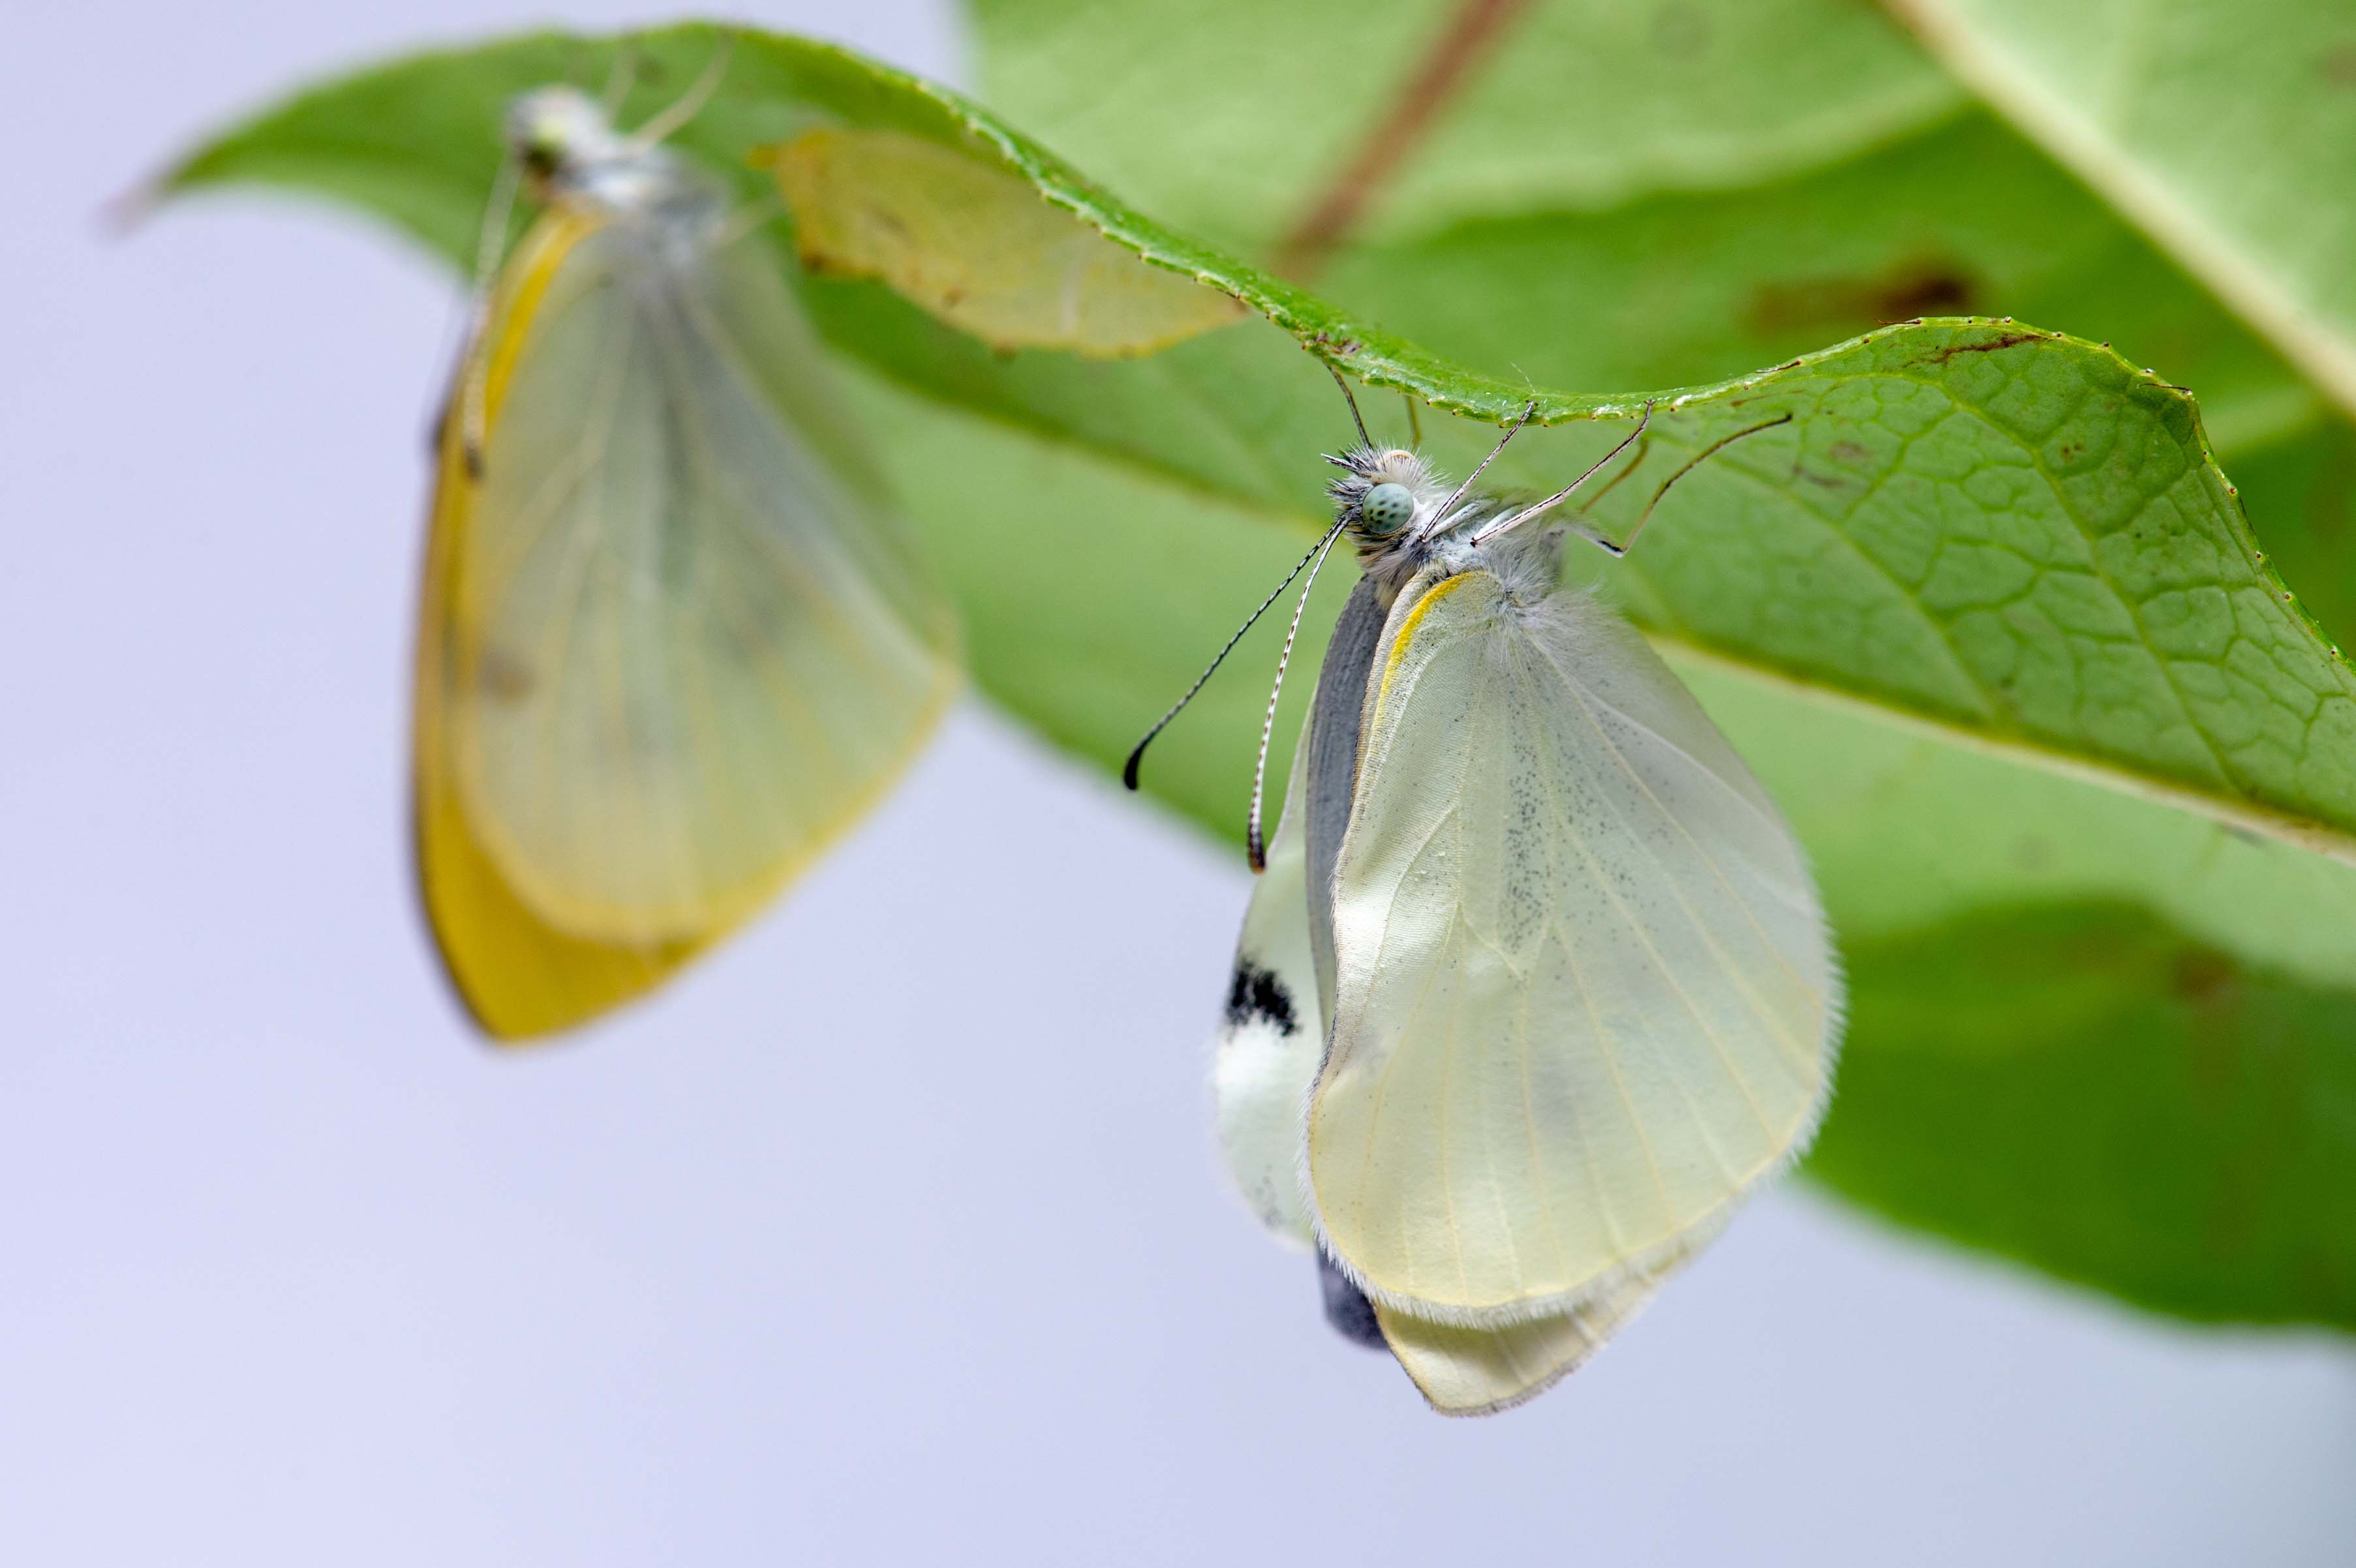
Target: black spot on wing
1256, 993
1347, 1308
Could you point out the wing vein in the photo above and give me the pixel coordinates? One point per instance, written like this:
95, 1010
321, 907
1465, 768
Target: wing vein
1776, 1026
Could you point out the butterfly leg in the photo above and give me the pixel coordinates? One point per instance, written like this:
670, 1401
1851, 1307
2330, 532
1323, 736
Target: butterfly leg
621, 78
1564, 494
1721, 445
690, 103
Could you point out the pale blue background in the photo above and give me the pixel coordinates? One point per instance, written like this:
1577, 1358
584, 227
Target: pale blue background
892, 1234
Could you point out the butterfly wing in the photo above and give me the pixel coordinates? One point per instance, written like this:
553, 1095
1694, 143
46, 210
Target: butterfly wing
1480, 1371
1584, 997
675, 637
1272, 1031
1271, 1038
1284, 962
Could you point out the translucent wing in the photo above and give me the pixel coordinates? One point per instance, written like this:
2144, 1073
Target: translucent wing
1272, 1037
1584, 997
1479, 1372
676, 639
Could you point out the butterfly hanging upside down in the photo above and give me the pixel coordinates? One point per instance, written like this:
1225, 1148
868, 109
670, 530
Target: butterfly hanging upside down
1535, 986
675, 635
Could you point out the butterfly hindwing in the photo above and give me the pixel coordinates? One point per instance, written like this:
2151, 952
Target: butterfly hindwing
1271, 1031
1273, 1034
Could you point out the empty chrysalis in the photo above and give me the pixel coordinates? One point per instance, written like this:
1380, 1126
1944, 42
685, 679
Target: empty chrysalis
1536, 985
675, 634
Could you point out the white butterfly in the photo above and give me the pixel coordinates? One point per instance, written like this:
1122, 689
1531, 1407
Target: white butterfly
675, 636
1535, 986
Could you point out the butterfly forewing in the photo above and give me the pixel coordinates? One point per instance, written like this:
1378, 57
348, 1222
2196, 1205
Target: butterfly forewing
1584, 997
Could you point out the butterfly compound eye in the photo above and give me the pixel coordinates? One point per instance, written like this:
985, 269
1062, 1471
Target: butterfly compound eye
1387, 509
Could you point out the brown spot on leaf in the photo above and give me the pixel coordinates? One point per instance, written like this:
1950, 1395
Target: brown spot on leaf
1912, 289
1848, 452
1993, 345
2201, 977
1926, 294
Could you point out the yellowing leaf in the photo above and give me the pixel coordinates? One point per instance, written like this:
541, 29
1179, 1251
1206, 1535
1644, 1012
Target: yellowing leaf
980, 249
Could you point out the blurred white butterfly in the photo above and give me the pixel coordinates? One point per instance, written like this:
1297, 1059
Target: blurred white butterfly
1535, 986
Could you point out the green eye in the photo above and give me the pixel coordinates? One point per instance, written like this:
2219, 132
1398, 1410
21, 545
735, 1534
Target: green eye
1387, 509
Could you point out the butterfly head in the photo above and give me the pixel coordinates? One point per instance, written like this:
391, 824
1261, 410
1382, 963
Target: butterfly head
568, 149
557, 132
1391, 502
1385, 493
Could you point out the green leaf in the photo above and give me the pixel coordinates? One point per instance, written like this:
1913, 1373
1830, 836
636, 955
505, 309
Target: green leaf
1094, 591
2226, 131
1963, 218
1980, 585
2025, 1061
1629, 254
1224, 115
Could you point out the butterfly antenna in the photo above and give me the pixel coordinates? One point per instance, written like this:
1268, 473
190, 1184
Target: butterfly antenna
1129, 769
472, 414
1571, 489
690, 103
1707, 453
621, 78
1511, 430
1253, 843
